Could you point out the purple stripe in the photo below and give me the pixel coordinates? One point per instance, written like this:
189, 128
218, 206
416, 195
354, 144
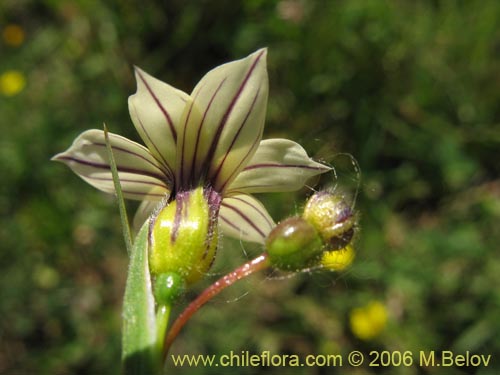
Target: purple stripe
276, 165
106, 167
128, 180
127, 151
256, 209
200, 127
180, 183
244, 217
143, 194
181, 210
150, 140
256, 142
232, 225
246, 187
223, 121
219, 168
162, 109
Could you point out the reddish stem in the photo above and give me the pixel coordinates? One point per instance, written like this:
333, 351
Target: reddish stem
250, 267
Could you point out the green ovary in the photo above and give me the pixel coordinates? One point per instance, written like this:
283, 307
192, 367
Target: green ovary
183, 237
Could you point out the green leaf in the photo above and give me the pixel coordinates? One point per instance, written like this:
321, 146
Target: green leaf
119, 194
140, 353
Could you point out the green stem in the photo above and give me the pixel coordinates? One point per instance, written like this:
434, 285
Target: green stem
162, 316
257, 264
119, 194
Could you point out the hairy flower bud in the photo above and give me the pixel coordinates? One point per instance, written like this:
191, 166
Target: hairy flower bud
183, 235
332, 217
293, 245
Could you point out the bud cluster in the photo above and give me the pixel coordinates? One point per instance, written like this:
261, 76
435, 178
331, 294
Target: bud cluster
321, 236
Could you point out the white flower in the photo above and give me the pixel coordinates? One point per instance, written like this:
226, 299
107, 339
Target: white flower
210, 138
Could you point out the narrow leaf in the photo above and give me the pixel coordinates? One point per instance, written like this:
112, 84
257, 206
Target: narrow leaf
140, 354
119, 195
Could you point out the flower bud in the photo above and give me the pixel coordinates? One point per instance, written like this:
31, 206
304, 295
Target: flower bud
183, 235
293, 245
332, 217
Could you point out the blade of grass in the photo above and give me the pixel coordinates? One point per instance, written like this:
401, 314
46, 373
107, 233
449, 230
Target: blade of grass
141, 351
119, 195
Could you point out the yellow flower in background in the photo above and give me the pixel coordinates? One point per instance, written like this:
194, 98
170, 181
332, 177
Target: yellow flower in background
369, 321
338, 260
12, 82
13, 35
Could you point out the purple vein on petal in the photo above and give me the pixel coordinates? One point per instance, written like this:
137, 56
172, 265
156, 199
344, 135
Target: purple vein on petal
126, 151
202, 123
244, 217
249, 152
151, 140
159, 195
180, 184
277, 165
162, 109
106, 167
221, 164
128, 180
232, 225
257, 210
223, 121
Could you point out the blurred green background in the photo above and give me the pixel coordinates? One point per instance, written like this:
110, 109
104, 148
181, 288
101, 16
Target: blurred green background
410, 89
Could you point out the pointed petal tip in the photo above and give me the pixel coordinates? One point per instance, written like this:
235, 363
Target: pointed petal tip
140, 76
137, 69
137, 75
260, 54
57, 157
261, 51
62, 157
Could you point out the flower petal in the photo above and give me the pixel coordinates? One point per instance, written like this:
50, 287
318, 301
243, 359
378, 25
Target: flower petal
156, 109
145, 209
278, 165
231, 104
141, 175
243, 217
186, 148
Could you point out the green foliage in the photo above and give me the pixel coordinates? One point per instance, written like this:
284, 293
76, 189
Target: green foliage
409, 88
139, 349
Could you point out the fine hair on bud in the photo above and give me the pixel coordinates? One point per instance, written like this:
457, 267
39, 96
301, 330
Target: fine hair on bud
333, 218
294, 245
183, 235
